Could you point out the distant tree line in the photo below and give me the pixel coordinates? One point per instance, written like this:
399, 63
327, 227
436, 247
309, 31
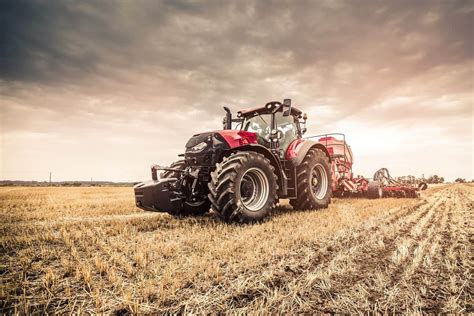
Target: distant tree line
412, 179
434, 179
64, 183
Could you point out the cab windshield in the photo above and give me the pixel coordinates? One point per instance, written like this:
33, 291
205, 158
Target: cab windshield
260, 125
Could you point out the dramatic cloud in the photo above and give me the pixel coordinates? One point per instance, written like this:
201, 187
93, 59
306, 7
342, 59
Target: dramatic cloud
104, 89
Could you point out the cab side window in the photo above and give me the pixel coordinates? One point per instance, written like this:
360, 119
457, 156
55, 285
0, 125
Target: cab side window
287, 126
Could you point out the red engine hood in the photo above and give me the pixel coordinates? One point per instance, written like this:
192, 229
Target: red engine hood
238, 138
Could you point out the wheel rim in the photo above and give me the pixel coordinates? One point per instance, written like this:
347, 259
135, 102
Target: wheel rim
319, 181
254, 189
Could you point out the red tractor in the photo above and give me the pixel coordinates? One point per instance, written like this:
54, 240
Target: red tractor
241, 173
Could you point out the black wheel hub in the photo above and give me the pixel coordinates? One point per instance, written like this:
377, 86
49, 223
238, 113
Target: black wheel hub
319, 181
246, 189
315, 180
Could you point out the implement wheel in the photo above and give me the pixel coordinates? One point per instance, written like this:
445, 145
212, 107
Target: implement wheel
374, 190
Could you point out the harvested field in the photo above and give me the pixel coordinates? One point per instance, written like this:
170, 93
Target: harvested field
91, 250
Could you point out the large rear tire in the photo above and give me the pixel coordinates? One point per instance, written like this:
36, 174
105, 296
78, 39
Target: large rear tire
243, 187
188, 208
313, 181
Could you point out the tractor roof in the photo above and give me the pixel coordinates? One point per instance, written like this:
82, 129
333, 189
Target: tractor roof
265, 110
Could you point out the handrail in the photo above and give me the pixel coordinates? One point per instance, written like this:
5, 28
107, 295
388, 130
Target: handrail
326, 142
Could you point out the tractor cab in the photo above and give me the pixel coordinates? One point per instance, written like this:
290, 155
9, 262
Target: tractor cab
276, 125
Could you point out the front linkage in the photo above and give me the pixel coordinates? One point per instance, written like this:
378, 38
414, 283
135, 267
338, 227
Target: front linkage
176, 191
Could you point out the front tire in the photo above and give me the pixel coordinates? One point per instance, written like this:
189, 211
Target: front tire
313, 181
243, 187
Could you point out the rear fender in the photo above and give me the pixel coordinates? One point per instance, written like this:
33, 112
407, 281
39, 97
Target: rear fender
300, 147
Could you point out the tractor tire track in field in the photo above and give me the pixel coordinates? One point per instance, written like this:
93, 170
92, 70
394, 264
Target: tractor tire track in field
354, 259
452, 268
378, 273
330, 255
352, 272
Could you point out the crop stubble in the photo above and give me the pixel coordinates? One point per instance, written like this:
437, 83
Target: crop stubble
90, 249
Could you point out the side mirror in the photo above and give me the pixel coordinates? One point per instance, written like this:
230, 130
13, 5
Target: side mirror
287, 107
303, 123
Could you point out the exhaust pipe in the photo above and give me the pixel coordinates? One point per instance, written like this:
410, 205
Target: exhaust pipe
228, 118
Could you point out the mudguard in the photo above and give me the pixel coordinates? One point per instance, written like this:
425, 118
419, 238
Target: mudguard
300, 147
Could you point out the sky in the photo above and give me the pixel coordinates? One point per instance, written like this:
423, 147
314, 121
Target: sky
104, 89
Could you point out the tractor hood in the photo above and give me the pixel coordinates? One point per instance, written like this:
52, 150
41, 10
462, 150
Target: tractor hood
199, 138
233, 138
206, 149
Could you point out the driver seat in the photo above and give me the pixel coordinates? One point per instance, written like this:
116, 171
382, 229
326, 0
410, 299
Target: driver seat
286, 140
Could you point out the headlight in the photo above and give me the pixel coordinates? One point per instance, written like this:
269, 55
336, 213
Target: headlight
199, 147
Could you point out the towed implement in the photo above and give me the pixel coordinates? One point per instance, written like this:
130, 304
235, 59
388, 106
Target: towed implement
395, 188
345, 183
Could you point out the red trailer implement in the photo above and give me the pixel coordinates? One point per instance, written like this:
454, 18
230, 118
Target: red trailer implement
345, 183
392, 187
